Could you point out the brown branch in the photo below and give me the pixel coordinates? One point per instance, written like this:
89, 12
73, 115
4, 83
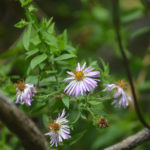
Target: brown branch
19, 123
116, 21
132, 141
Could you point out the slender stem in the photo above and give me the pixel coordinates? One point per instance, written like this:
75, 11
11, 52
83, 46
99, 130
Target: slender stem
88, 108
116, 21
53, 67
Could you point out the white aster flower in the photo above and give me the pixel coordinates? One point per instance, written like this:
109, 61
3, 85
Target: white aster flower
25, 92
59, 130
81, 81
121, 97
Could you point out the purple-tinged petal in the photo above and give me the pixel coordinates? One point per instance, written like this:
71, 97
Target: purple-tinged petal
119, 92
83, 66
93, 74
70, 73
78, 67
68, 79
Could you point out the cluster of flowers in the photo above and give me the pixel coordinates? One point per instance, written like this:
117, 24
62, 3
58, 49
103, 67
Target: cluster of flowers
83, 80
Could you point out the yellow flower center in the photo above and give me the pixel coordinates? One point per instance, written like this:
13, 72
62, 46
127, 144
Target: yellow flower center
122, 84
55, 126
20, 85
79, 75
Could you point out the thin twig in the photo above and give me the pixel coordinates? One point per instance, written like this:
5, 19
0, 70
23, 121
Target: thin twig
116, 20
132, 141
19, 123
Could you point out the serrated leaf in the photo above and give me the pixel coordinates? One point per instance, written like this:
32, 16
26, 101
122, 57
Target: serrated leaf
22, 23
26, 38
37, 60
65, 56
65, 100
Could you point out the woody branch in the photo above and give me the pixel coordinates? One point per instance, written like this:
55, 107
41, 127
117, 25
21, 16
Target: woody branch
19, 123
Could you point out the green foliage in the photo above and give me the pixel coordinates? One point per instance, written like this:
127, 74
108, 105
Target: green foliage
66, 100
38, 60
25, 2
42, 56
22, 23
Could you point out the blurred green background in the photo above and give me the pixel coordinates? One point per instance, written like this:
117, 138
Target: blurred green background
90, 28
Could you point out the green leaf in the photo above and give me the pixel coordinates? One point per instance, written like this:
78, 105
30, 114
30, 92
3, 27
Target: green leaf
94, 102
42, 65
22, 23
77, 137
37, 60
83, 117
51, 71
46, 23
26, 38
65, 100
77, 117
25, 2
32, 79
45, 119
51, 28
50, 39
6, 147
65, 56
62, 40
48, 80
140, 32
32, 8
30, 53
145, 86
9, 53
129, 17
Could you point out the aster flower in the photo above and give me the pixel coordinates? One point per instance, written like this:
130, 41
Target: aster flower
81, 81
59, 130
25, 92
121, 97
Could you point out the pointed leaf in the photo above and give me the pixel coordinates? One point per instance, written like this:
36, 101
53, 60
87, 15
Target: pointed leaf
37, 60
65, 56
